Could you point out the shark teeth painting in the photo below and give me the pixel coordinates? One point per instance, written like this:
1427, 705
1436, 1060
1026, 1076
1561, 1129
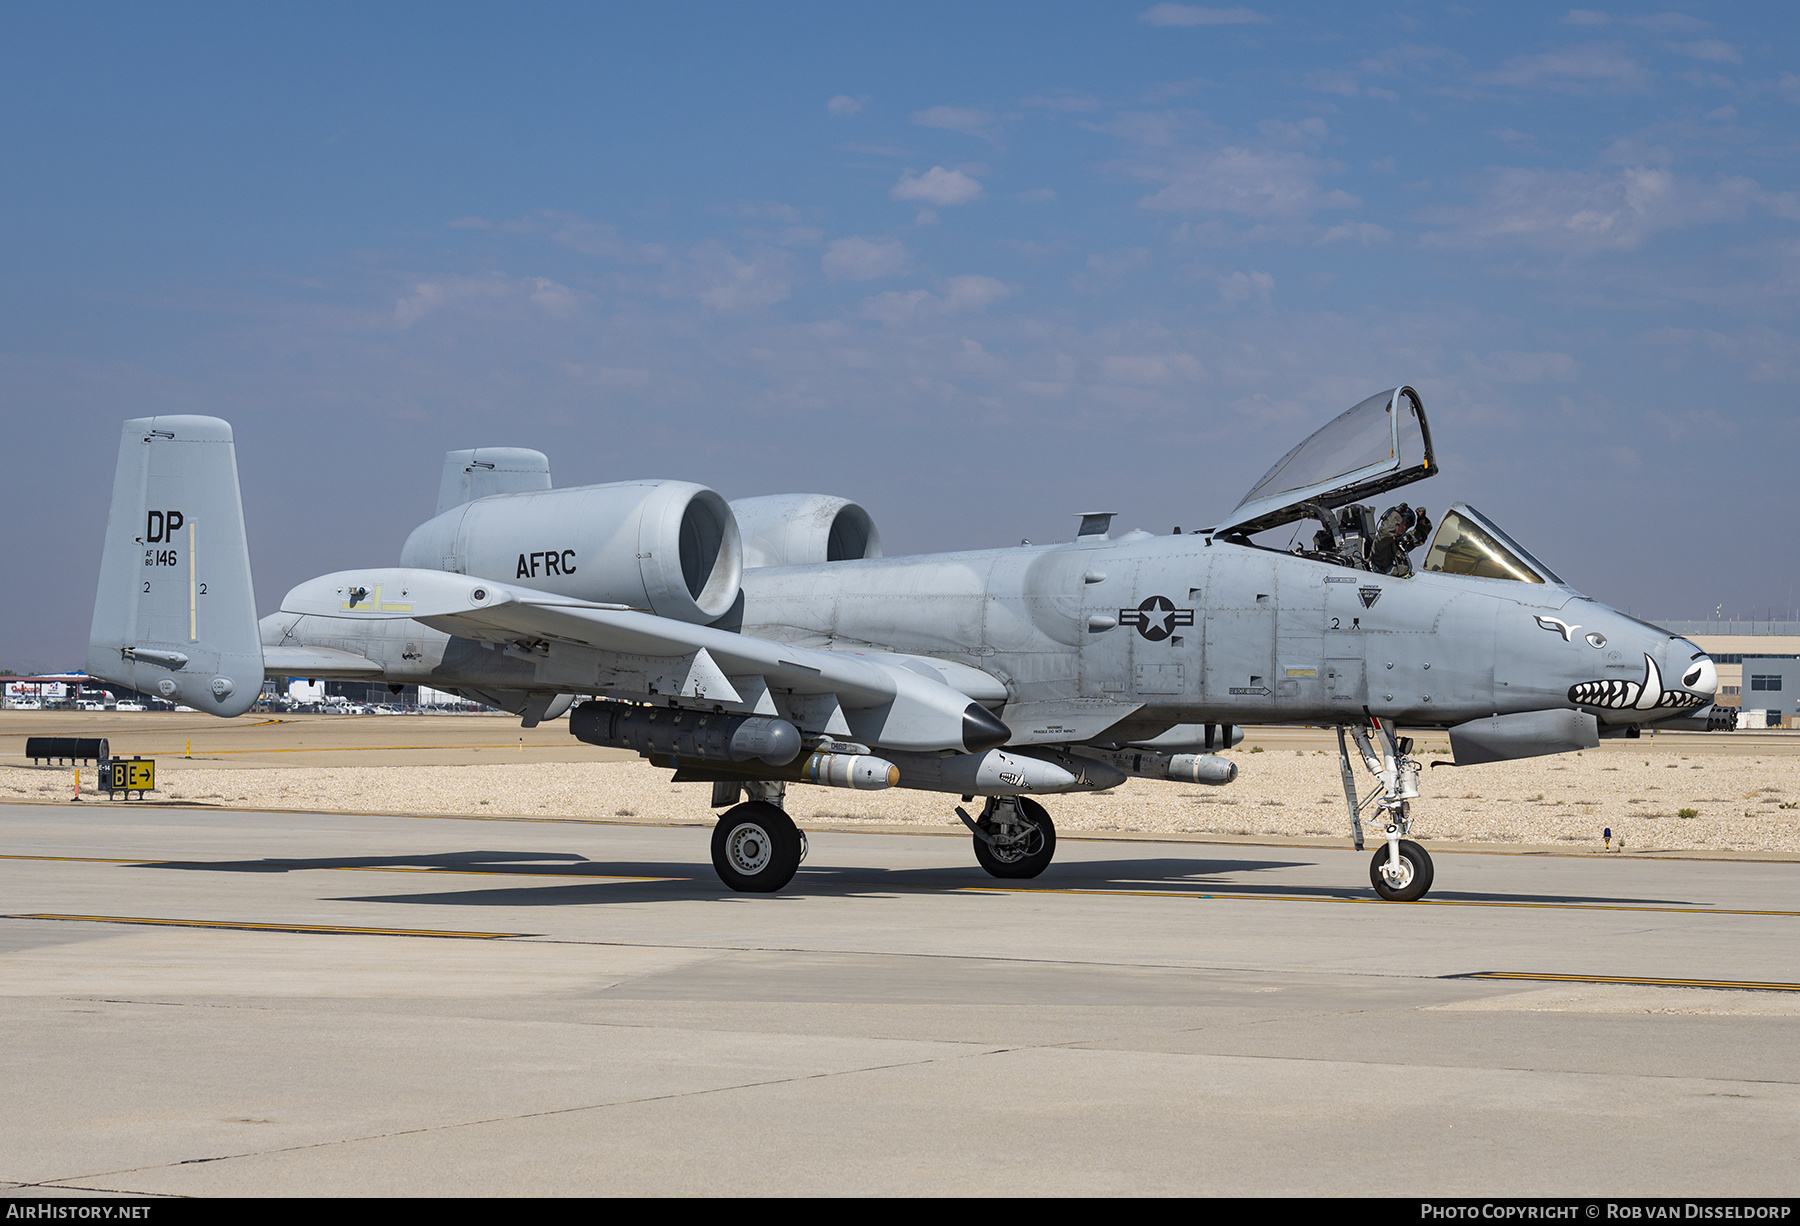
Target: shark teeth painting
1645, 695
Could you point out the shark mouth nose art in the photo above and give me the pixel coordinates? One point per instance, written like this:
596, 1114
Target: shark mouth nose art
1645, 695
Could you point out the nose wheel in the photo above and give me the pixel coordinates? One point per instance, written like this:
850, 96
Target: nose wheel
1405, 880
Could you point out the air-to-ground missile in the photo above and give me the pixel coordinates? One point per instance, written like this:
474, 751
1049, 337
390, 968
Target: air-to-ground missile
862, 771
1180, 767
999, 772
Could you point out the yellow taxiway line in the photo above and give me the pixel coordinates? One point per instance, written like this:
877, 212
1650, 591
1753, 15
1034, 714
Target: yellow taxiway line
1739, 985
249, 926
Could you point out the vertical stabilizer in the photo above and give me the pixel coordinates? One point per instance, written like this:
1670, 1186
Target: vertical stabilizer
482, 471
175, 614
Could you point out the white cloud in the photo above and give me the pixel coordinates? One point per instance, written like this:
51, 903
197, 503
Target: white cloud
1668, 23
552, 297
1195, 15
1716, 50
486, 295
1663, 23
1110, 266
962, 295
899, 306
1588, 69
865, 259
1306, 132
843, 106
725, 281
1266, 184
1581, 212
939, 187
1332, 81
1763, 354
1255, 288
974, 293
960, 119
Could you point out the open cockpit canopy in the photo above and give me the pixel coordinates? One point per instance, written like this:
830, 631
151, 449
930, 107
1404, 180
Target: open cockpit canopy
1378, 445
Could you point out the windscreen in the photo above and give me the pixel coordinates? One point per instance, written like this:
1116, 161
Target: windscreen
1466, 546
1357, 438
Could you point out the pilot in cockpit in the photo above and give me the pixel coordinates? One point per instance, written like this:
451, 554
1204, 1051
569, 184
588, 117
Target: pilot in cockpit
1400, 531
1354, 537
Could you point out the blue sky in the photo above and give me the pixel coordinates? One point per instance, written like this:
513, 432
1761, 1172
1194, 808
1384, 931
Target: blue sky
980, 267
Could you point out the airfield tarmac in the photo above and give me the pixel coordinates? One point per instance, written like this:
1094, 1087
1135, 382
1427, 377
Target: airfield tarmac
539, 995
217, 1001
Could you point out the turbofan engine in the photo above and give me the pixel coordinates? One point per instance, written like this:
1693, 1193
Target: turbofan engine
801, 529
671, 547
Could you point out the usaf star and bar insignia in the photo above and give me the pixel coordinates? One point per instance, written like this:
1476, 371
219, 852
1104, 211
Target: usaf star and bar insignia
1157, 618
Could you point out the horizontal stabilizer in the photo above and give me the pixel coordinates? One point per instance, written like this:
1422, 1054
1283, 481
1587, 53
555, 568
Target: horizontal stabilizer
316, 662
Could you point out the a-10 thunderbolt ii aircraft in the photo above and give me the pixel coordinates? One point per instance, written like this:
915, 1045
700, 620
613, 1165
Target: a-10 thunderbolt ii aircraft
767, 641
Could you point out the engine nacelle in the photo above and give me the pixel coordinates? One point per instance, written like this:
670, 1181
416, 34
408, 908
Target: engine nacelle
800, 529
671, 547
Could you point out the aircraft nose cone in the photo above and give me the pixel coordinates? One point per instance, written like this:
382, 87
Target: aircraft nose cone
981, 730
1701, 676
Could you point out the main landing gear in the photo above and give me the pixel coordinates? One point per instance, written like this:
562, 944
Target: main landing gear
1014, 837
756, 848
1401, 871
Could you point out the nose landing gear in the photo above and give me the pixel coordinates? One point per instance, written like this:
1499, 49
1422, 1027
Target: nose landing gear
1401, 871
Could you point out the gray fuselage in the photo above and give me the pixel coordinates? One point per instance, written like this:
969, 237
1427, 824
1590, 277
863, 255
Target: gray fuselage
1126, 637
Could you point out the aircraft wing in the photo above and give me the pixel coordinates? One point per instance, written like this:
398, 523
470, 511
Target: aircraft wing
894, 701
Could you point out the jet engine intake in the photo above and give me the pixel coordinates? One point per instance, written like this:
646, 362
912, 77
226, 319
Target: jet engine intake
801, 529
671, 547
693, 735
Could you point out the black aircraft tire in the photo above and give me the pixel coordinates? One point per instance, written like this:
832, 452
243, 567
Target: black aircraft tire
1417, 859
756, 848
1035, 860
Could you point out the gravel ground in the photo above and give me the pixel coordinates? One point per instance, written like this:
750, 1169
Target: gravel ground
1735, 802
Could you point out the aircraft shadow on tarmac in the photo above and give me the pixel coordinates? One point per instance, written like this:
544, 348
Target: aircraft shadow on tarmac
584, 882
